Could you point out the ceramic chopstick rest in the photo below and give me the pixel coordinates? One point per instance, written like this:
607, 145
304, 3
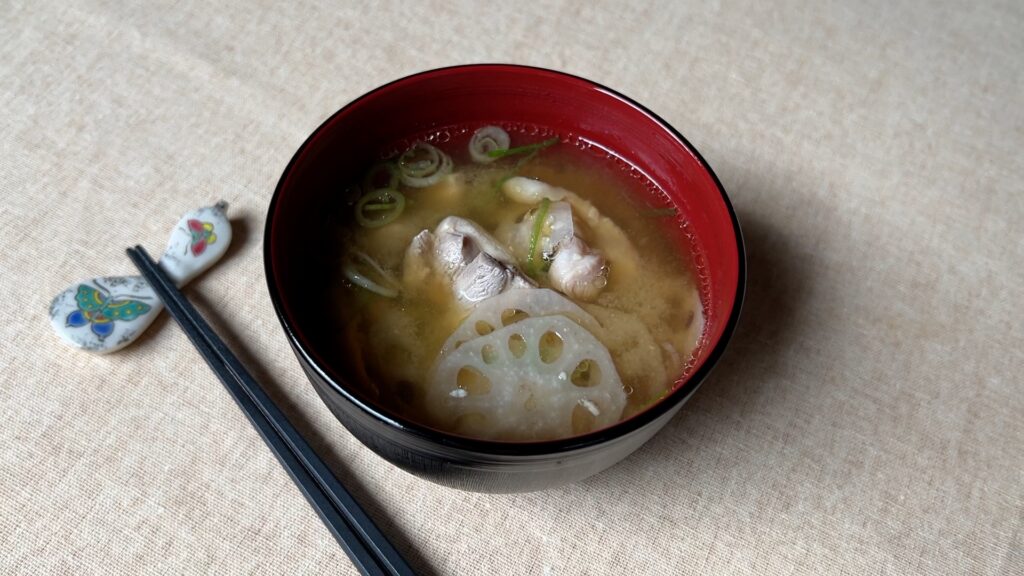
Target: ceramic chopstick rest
108, 313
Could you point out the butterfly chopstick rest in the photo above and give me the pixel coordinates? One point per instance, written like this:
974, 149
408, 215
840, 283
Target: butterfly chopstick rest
108, 313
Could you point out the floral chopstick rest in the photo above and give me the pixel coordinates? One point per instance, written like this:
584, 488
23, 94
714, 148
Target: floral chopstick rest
108, 313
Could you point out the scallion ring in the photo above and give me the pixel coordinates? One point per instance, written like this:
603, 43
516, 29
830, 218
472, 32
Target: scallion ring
356, 277
423, 165
486, 140
538, 227
379, 207
528, 149
420, 160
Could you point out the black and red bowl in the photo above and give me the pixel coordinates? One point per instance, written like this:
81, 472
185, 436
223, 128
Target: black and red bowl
577, 110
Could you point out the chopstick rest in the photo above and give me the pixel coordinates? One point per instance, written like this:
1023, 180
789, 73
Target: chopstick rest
107, 313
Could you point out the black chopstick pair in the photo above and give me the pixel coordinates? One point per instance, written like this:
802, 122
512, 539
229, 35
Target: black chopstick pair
369, 550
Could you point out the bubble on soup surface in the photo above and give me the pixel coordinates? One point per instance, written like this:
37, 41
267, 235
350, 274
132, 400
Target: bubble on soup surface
530, 396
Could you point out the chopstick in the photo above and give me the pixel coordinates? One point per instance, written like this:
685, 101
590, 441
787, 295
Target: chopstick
369, 550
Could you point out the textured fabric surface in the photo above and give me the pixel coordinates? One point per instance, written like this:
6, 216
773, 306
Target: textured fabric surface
868, 418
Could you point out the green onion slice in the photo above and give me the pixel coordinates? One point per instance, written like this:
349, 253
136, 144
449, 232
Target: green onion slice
487, 140
515, 169
388, 287
527, 149
538, 226
379, 207
423, 165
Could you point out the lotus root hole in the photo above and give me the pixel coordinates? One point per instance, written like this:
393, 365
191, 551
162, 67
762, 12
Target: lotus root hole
512, 315
517, 345
489, 354
586, 374
472, 381
550, 347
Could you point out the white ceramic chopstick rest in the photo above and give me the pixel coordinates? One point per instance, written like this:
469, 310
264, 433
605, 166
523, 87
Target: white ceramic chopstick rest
108, 313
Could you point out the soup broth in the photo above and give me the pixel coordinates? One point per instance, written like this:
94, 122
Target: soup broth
395, 322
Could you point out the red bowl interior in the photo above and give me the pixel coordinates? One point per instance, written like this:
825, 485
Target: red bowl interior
573, 108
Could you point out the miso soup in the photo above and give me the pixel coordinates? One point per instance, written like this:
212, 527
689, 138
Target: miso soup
510, 286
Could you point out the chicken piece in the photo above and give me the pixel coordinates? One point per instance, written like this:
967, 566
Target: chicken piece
529, 191
481, 278
575, 269
455, 226
416, 267
578, 271
605, 234
558, 227
465, 256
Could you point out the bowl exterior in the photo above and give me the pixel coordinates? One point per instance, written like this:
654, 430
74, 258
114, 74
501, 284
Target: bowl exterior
576, 108
475, 471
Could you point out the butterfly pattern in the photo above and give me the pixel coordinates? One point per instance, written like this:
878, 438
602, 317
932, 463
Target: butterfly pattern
202, 236
99, 311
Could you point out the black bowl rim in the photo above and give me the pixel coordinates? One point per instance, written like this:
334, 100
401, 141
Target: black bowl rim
547, 447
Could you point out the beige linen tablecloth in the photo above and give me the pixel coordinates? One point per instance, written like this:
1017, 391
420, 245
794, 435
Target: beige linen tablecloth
868, 418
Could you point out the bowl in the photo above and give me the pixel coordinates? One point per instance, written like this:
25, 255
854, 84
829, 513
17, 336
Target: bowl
579, 111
